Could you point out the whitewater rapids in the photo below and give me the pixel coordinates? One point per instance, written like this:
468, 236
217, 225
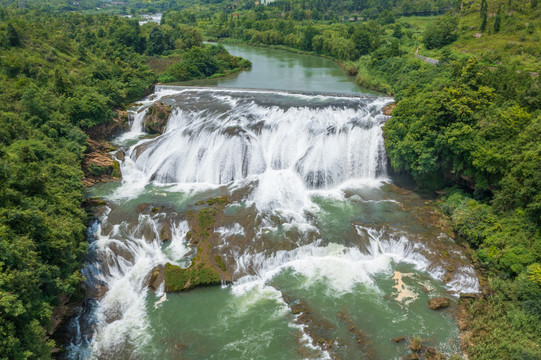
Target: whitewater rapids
281, 154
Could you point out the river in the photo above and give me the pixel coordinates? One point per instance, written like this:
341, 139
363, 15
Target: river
324, 256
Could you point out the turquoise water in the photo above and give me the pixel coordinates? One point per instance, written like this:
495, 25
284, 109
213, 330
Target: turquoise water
282, 70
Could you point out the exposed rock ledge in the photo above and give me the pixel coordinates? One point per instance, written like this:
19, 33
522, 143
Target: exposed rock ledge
156, 118
207, 267
439, 303
98, 164
388, 109
111, 128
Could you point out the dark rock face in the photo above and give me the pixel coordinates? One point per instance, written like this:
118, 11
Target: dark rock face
156, 118
111, 128
156, 277
439, 303
120, 155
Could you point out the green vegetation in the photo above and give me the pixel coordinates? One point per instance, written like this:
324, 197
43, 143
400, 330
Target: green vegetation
175, 278
61, 74
220, 262
57, 77
202, 272
416, 343
179, 279
504, 326
202, 222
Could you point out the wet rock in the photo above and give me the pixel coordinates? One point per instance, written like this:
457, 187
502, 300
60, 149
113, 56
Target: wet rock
411, 357
141, 208
95, 206
156, 118
464, 296
121, 251
317, 328
433, 354
179, 347
447, 277
96, 291
362, 340
388, 109
112, 315
166, 233
120, 155
65, 310
297, 309
398, 339
439, 303
156, 277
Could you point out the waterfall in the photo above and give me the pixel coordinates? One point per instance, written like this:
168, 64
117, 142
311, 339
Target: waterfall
276, 151
235, 137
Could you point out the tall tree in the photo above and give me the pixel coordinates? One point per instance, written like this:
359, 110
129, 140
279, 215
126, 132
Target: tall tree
13, 36
484, 10
498, 20
155, 42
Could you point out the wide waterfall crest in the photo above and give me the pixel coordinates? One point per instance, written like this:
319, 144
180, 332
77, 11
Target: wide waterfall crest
232, 137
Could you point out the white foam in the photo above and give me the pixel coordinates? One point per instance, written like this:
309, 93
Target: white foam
324, 146
235, 229
125, 258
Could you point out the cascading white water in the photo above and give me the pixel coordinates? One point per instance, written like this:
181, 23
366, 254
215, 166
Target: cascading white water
279, 150
238, 138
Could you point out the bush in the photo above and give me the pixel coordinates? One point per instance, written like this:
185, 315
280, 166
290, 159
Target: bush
441, 32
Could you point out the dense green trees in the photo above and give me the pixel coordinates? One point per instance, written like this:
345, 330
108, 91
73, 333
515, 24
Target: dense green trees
498, 20
198, 63
484, 14
61, 74
49, 93
12, 35
441, 32
155, 42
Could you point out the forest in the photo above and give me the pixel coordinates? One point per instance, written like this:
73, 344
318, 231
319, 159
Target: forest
62, 74
467, 126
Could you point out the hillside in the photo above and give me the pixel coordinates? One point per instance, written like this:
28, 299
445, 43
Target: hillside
63, 75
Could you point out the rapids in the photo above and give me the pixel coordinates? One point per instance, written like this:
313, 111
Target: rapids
329, 259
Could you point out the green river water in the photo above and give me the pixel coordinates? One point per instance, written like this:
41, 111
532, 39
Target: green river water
335, 266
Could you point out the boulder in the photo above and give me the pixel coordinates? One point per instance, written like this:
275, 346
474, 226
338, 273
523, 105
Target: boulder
439, 303
467, 296
156, 118
156, 277
388, 109
120, 155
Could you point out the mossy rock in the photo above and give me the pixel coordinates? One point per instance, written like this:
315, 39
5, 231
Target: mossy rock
179, 279
204, 277
439, 303
116, 170
220, 263
175, 277
220, 200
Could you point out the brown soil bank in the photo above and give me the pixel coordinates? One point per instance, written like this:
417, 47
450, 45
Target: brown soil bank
98, 165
